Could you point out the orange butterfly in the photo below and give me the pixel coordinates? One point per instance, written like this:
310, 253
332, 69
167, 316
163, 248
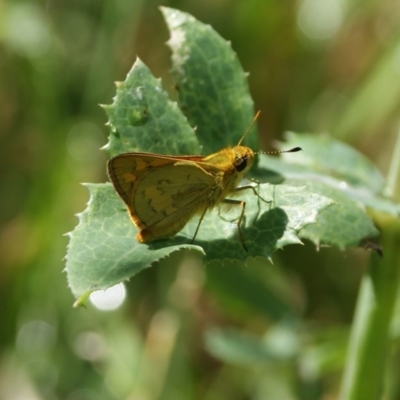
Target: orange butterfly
162, 193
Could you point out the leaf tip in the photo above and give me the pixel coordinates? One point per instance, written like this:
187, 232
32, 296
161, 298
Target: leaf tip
81, 301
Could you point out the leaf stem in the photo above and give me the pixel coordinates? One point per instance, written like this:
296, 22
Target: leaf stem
394, 170
369, 341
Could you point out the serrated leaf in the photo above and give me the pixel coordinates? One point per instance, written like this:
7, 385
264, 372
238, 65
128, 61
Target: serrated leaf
330, 167
102, 250
212, 86
266, 226
329, 157
143, 118
344, 224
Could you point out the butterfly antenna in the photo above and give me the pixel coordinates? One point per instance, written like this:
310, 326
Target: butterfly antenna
249, 127
294, 150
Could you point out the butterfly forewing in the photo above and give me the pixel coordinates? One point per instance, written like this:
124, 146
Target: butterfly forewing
127, 169
160, 191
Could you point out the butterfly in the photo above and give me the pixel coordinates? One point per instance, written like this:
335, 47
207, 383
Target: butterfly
163, 192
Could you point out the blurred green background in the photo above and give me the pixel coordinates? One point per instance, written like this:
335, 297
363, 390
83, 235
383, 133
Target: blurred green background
183, 332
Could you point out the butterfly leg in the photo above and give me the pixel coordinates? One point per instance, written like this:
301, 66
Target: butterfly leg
254, 191
243, 205
198, 225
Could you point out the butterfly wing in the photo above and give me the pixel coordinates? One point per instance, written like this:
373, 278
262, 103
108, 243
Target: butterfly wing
161, 193
127, 170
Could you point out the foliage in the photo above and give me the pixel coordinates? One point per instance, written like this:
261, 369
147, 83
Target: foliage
211, 85
228, 329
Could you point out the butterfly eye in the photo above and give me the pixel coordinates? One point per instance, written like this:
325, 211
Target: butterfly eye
241, 163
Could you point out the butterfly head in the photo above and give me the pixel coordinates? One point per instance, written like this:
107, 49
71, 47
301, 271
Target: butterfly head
243, 160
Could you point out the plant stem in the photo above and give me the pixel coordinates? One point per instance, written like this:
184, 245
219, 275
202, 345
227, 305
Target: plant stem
370, 336
363, 376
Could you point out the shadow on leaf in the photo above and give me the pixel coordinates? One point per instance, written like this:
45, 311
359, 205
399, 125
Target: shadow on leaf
260, 238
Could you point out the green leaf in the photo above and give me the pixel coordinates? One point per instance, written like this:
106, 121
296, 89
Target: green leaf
213, 92
330, 167
143, 118
328, 157
102, 250
212, 86
344, 224
335, 170
272, 220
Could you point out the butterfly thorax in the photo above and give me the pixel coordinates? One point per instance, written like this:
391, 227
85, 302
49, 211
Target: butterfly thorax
230, 164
